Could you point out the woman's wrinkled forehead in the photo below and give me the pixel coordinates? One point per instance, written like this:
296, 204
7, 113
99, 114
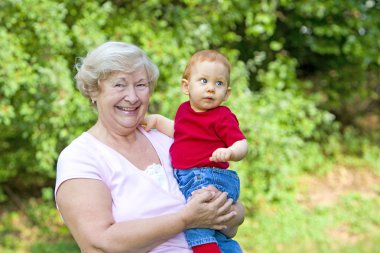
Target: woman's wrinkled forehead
140, 74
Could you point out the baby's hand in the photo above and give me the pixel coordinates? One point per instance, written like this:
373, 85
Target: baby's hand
221, 155
149, 122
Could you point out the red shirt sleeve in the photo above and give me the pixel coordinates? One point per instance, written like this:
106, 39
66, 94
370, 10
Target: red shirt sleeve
228, 127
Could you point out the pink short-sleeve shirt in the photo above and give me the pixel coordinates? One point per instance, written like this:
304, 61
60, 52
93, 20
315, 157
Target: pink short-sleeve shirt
135, 195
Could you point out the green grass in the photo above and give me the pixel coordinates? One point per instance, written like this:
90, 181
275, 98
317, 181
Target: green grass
350, 226
59, 247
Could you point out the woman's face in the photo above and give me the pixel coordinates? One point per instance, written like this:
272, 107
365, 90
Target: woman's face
123, 99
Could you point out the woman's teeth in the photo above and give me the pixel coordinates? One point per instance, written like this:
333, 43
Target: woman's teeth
127, 109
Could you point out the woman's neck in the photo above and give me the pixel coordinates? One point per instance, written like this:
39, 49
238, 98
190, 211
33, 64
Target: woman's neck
132, 144
113, 136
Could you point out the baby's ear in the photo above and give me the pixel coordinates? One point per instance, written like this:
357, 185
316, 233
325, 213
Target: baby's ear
228, 93
185, 86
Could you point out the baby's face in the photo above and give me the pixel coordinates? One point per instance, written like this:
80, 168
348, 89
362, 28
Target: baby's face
208, 85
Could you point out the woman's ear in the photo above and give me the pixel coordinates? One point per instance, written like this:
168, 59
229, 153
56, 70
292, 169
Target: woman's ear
185, 86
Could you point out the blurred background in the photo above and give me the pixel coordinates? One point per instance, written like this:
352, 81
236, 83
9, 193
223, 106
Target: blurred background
305, 88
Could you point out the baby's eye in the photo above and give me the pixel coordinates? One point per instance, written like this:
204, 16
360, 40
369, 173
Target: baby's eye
203, 80
219, 83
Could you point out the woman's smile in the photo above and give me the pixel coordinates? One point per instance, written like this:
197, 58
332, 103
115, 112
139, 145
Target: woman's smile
127, 109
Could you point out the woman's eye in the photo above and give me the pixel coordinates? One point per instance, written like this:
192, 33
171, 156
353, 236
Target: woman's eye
219, 83
141, 85
203, 80
119, 85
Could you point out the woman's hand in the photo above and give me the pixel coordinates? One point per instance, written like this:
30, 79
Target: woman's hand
234, 223
231, 225
208, 209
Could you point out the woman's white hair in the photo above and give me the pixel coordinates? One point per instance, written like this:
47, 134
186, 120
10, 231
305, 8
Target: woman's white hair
108, 58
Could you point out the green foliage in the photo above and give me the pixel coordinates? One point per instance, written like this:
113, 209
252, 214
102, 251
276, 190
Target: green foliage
360, 152
36, 226
336, 45
305, 88
284, 128
37, 104
303, 74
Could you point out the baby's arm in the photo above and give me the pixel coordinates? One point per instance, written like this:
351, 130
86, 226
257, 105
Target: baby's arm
161, 123
235, 152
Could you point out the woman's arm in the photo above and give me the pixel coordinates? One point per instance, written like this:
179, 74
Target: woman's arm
85, 205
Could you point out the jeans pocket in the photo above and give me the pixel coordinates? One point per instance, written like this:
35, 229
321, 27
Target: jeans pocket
186, 180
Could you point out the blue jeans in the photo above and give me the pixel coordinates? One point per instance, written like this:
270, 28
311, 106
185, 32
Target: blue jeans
224, 180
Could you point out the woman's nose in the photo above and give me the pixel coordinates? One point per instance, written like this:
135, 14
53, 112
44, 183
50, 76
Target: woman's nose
131, 96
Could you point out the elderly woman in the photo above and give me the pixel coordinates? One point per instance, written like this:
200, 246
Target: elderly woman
115, 187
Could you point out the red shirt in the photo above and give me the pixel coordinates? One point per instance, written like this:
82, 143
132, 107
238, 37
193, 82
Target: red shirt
198, 134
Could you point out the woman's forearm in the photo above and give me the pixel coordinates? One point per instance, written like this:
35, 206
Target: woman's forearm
143, 235
140, 235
